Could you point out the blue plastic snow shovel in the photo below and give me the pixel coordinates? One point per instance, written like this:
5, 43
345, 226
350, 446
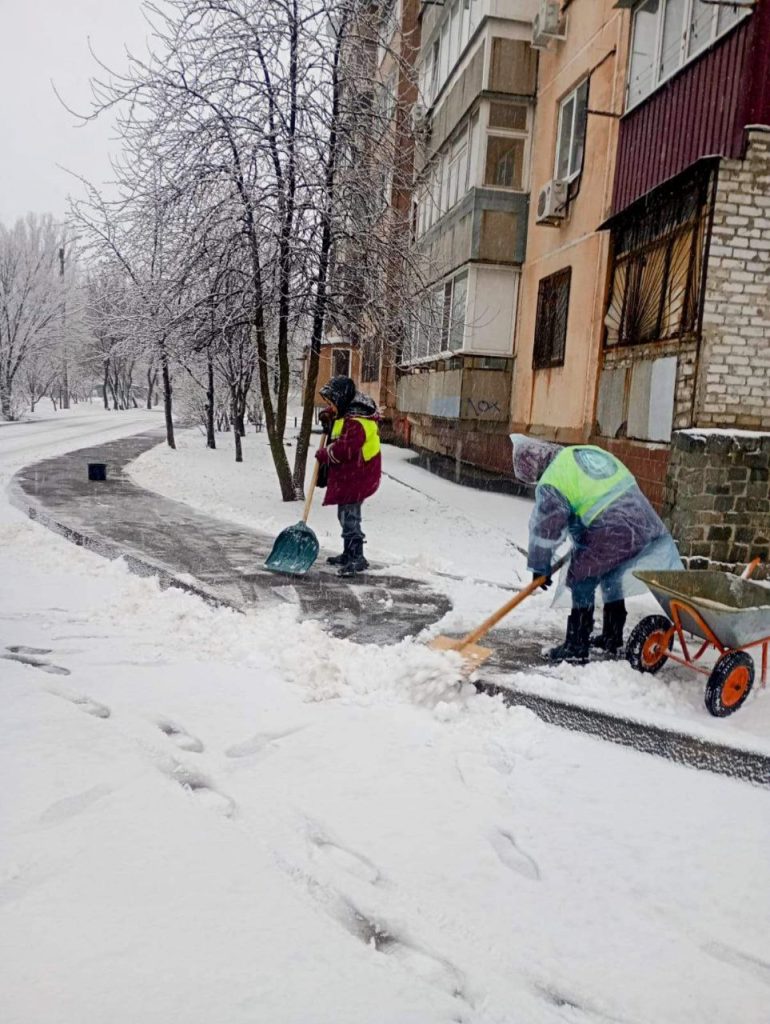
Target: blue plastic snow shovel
296, 548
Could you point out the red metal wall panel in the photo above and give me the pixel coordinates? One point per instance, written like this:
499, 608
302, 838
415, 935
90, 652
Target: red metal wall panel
700, 112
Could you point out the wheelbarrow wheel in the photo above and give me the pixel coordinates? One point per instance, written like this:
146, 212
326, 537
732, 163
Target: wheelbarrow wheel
730, 683
649, 644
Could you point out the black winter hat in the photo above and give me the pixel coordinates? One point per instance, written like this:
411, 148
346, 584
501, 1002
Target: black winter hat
341, 391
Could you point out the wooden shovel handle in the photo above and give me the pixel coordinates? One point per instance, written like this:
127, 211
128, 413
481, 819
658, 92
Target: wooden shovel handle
493, 619
313, 482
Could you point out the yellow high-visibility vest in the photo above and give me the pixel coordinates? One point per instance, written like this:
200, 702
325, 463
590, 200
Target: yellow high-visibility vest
371, 444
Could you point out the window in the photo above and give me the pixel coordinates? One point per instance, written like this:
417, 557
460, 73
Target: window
451, 39
655, 284
454, 32
440, 322
644, 38
665, 34
340, 362
728, 16
385, 106
702, 18
511, 116
505, 162
458, 169
572, 133
551, 323
389, 19
673, 37
457, 326
434, 66
370, 361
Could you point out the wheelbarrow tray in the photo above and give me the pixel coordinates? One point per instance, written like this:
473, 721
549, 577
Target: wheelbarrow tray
737, 611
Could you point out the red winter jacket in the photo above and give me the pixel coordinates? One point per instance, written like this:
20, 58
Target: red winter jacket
350, 478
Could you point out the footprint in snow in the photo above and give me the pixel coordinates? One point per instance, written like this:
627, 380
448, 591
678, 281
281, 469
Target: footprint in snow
86, 704
34, 660
69, 806
203, 791
180, 736
23, 649
754, 965
432, 969
259, 742
511, 854
346, 860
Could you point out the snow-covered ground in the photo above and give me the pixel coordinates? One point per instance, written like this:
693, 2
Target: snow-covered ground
429, 527
209, 816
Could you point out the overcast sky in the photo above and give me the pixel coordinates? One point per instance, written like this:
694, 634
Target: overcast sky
42, 40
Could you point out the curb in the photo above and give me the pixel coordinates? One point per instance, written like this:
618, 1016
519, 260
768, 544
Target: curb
138, 566
680, 747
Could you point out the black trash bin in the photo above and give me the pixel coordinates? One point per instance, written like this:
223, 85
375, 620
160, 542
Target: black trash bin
97, 471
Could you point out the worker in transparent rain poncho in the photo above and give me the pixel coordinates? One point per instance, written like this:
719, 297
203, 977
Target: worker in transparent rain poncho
586, 496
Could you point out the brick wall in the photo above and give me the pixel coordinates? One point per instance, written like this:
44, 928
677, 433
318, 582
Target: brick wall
487, 446
734, 376
717, 502
648, 463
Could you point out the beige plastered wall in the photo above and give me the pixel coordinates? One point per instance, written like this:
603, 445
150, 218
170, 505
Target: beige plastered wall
560, 402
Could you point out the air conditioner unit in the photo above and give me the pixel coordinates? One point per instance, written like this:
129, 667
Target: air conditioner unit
552, 202
548, 24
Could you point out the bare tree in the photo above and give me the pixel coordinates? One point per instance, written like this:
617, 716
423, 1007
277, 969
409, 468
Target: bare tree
30, 302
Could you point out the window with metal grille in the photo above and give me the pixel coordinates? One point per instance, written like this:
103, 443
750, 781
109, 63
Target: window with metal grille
551, 324
657, 269
370, 361
341, 362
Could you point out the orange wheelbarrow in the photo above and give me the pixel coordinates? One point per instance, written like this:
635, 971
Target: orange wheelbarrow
724, 612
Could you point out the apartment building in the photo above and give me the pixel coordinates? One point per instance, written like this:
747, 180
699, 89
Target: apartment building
580, 94
473, 129
364, 332
685, 340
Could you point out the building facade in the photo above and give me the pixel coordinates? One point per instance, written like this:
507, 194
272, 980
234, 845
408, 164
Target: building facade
628, 303
685, 333
473, 129
581, 78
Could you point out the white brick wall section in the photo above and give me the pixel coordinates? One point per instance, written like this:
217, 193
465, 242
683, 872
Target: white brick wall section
734, 383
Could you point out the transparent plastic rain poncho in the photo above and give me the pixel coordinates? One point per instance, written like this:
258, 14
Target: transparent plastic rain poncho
587, 497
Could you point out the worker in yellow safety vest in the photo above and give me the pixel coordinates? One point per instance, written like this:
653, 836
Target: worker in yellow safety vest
353, 465
586, 496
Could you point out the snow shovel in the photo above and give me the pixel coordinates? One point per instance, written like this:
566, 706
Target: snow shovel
467, 646
296, 548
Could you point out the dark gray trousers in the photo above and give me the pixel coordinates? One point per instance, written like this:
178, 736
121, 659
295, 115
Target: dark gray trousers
350, 522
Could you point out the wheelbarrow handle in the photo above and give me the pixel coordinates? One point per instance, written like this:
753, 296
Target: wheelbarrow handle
749, 570
313, 482
508, 607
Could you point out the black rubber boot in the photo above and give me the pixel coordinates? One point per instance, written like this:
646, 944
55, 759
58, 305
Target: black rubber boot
577, 643
342, 559
610, 640
356, 562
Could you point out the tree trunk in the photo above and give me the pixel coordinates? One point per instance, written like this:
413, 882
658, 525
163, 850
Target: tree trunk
320, 303
167, 405
105, 383
237, 435
211, 441
152, 376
